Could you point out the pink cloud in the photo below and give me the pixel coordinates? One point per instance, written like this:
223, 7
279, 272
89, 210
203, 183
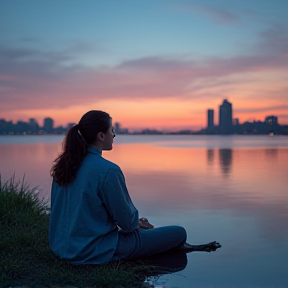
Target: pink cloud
34, 80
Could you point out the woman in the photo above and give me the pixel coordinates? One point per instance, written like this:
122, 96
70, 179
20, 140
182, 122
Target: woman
93, 219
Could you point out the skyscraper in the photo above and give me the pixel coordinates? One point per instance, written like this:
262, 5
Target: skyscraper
48, 125
225, 118
210, 120
33, 125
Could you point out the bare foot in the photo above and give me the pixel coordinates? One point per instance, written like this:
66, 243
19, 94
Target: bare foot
212, 246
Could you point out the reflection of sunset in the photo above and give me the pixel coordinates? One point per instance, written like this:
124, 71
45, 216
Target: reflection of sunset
172, 175
251, 167
242, 168
150, 158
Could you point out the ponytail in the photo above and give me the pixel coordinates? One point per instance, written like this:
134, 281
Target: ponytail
76, 144
67, 163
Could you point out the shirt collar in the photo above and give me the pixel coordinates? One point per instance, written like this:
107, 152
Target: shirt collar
94, 150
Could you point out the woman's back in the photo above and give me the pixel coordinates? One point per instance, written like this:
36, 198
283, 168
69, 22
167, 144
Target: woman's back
83, 213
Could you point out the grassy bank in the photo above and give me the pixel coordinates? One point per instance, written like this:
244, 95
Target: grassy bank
25, 257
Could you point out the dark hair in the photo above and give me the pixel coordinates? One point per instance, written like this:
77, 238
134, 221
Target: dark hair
76, 143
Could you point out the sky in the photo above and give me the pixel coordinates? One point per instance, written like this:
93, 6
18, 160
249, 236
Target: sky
157, 64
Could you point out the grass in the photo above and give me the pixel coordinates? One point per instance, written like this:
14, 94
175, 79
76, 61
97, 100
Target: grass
25, 256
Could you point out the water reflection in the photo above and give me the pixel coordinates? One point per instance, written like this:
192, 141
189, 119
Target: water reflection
33, 161
246, 210
225, 159
166, 262
272, 153
210, 156
162, 264
225, 156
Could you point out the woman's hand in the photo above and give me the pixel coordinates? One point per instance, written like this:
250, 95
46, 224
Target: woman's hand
144, 224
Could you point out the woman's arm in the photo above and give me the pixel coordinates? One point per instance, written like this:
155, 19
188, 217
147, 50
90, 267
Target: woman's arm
118, 202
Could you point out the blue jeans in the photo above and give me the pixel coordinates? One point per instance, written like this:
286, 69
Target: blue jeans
142, 243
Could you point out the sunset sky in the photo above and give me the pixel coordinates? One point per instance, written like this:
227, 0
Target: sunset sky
149, 64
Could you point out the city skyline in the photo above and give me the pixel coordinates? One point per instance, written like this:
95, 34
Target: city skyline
209, 122
227, 124
63, 59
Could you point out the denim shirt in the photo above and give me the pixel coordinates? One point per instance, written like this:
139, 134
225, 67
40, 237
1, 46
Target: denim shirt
86, 214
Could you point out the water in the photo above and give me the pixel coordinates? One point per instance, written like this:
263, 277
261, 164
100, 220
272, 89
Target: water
232, 189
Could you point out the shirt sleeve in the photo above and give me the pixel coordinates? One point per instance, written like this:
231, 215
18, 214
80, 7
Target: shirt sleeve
118, 202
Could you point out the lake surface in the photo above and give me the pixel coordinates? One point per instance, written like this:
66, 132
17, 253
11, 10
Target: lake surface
232, 189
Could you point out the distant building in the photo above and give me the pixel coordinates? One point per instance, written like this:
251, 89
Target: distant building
70, 125
48, 125
119, 129
271, 120
272, 124
33, 125
151, 132
21, 127
210, 119
236, 121
225, 118
5, 126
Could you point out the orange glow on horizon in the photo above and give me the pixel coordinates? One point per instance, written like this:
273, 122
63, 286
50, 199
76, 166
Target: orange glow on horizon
171, 115
183, 106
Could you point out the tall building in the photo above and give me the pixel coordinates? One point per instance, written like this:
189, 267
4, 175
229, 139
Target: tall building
33, 125
48, 125
225, 118
210, 120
